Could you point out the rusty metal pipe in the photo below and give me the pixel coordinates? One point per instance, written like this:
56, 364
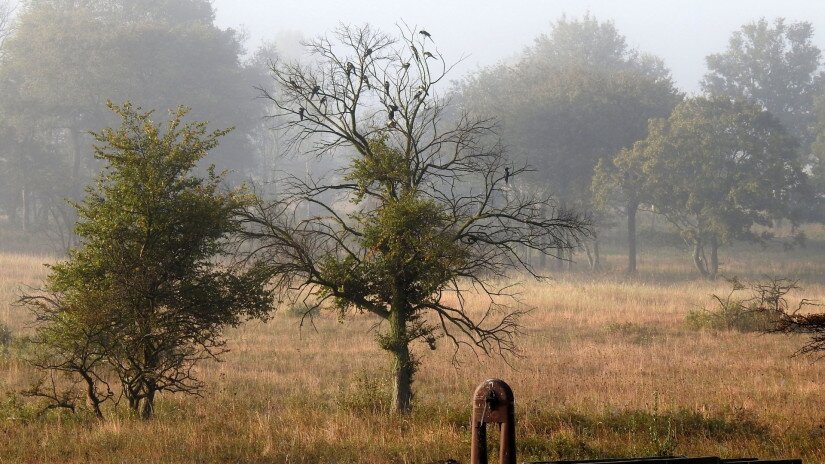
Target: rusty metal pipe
493, 403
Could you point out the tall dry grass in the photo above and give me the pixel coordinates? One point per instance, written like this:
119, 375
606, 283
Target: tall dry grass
608, 368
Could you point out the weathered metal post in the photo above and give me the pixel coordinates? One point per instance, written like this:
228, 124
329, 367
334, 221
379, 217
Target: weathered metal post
493, 404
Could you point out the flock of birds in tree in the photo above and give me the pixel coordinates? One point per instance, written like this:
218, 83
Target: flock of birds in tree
392, 108
350, 70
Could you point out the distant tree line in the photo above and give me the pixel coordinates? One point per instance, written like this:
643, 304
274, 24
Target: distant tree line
62, 60
609, 133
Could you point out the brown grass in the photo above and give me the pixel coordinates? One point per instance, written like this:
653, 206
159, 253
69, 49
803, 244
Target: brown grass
609, 368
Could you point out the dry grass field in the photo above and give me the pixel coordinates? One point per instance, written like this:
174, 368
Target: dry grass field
608, 368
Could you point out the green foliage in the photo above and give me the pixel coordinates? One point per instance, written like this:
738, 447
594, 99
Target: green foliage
716, 168
148, 292
774, 66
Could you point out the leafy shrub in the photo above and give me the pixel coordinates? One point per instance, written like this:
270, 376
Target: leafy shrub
754, 313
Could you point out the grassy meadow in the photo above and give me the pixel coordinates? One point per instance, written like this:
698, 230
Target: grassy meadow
608, 368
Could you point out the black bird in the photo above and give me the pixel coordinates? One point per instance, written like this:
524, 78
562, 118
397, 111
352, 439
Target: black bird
425, 34
368, 52
350, 68
315, 90
387, 87
506, 176
301, 113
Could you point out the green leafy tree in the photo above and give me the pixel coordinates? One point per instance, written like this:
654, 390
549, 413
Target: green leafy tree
148, 292
776, 66
715, 168
420, 216
577, 96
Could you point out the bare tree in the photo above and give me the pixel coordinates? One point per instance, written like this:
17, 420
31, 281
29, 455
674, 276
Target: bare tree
420, 215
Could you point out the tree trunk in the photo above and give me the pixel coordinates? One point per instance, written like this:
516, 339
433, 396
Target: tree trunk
591, 259
597, 254
699, 259
147, 407
26, 202
632, 209
714, 258
92, 399
399, 346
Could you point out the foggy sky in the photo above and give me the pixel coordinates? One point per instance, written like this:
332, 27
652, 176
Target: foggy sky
681, 32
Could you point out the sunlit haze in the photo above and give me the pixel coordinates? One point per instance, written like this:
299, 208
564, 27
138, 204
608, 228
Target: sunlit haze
681, 32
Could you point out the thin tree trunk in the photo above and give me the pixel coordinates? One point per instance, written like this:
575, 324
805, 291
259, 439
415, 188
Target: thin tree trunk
714, 258
591, 260
597, 254
632, 209
92, 400
26, 201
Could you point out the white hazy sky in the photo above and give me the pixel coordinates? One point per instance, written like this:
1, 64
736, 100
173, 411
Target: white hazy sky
679, 31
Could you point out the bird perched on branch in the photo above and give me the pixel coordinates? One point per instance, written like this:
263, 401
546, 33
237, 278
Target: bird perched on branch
425, 34
368, 52
428, 55
315, 90
350, 68
506, 176
301, 111
387, 87
393, 109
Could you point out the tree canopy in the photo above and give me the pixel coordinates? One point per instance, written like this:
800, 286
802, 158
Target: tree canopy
776, 66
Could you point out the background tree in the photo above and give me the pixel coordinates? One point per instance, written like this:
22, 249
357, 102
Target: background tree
66, 58
577, 96
144, 298
621, 181
715, 169
777, 67
419, 217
